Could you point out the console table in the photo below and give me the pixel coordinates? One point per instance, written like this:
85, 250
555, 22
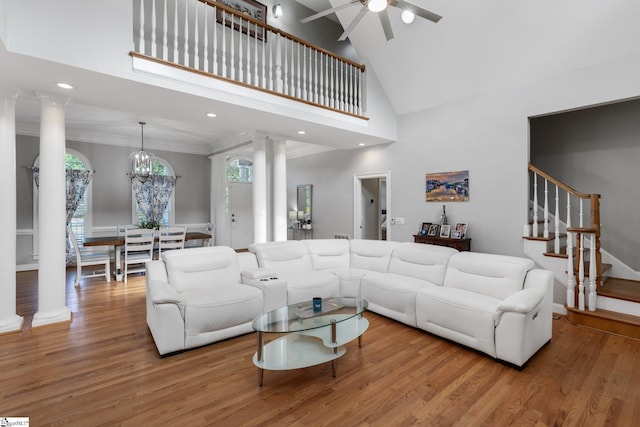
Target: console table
459, 244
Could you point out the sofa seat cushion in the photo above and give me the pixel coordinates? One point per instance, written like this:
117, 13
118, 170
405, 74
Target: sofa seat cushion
303, 286
225, 306
393, 295
459, 315
350, 279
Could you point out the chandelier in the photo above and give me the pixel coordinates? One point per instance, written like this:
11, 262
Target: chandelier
140, 161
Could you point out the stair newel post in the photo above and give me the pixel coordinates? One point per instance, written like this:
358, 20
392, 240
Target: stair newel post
580, 243
595, 220
556, 240
535, 205
592, 273
571, 280
545, 226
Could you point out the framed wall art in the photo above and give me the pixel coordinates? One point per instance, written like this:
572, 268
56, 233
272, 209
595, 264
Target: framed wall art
447, 186
252, 9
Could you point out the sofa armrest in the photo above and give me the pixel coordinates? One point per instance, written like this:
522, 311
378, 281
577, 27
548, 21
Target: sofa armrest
273, 289
161, 293
257, 274
522, 302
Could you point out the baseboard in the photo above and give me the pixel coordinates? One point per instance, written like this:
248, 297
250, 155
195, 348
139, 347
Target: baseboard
26, 267
559, 309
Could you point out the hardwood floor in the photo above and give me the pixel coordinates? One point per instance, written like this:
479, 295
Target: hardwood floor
103, 369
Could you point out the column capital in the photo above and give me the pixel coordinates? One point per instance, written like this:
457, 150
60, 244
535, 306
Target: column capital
10, 93
53, 99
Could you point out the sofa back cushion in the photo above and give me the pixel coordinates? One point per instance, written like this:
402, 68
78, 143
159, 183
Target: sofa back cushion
329, 254
497, 276
371, 255
196, 268
427, 262
283, 257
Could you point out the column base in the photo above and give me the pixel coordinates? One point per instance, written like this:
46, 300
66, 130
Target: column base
48, 318
13, 324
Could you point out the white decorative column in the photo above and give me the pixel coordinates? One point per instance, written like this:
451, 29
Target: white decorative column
259, 189
218, 197
279, 190
52, 218
9, 320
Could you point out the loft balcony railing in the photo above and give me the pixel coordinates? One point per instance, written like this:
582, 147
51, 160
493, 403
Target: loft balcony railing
210, 38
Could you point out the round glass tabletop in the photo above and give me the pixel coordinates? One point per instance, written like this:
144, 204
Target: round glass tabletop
301, 316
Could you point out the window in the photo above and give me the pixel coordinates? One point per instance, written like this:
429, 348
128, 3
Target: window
158, 167
240, 170
78, 221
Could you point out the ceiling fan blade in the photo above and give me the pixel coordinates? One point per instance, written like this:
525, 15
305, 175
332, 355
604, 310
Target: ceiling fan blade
386, 24
353, 24
424, 13
328, 11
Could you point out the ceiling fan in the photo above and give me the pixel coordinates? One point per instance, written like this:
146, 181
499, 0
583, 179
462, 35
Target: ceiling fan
379, 7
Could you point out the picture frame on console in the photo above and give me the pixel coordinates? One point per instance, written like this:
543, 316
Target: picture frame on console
445, 230
456, 234
425, 228
462, 228
433, 230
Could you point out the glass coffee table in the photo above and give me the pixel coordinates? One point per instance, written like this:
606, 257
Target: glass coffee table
308, 337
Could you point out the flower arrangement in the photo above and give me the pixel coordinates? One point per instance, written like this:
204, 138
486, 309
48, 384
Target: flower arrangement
150, 224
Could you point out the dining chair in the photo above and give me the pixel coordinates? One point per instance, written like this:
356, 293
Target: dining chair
121, 228
209, 230
138, 249
89, 259
171, 238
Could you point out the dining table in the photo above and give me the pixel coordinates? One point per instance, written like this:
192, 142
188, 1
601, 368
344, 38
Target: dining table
118, 242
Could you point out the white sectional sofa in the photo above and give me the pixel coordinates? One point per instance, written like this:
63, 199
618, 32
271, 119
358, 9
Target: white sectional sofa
495, 304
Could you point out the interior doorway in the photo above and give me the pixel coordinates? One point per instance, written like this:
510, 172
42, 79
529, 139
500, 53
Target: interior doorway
240, 214
372, 202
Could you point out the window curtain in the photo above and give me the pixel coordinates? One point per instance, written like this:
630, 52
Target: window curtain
77, 183
153, 195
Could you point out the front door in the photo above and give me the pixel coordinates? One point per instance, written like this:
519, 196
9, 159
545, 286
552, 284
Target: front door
241, 214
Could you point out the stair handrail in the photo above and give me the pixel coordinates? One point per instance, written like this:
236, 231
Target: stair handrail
592, 230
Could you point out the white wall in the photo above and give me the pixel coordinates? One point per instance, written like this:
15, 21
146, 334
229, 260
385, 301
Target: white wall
487, 134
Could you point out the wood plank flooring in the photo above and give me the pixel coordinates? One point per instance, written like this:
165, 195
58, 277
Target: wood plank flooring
103, 370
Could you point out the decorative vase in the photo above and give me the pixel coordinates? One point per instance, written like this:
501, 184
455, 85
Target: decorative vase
443, 216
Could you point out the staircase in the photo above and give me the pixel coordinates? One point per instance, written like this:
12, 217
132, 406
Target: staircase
604, 295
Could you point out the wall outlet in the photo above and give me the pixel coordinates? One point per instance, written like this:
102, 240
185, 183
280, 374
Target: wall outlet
393, 221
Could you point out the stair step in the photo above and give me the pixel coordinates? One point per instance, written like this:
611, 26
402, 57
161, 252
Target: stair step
624, 289
605, 320
551, 237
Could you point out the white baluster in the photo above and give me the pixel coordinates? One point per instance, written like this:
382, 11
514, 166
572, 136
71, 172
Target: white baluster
141, 48
154, 47
299, 89
214, 27
581, 274
556, 240
305, 77
278, 64
176, 58
535, 205
232, 48
545, 232
196, 37
165, 32
321, 80
581, 221
186, 34
224, 43
571, 277
592, 273
240, 53
263, 70
206, 39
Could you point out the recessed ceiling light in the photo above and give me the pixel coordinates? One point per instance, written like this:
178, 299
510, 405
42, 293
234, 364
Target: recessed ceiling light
362, 144
302, 132
65, 85
407, 16
211, 114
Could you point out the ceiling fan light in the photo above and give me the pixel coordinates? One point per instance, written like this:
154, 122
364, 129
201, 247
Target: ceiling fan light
407, 16
377, 5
